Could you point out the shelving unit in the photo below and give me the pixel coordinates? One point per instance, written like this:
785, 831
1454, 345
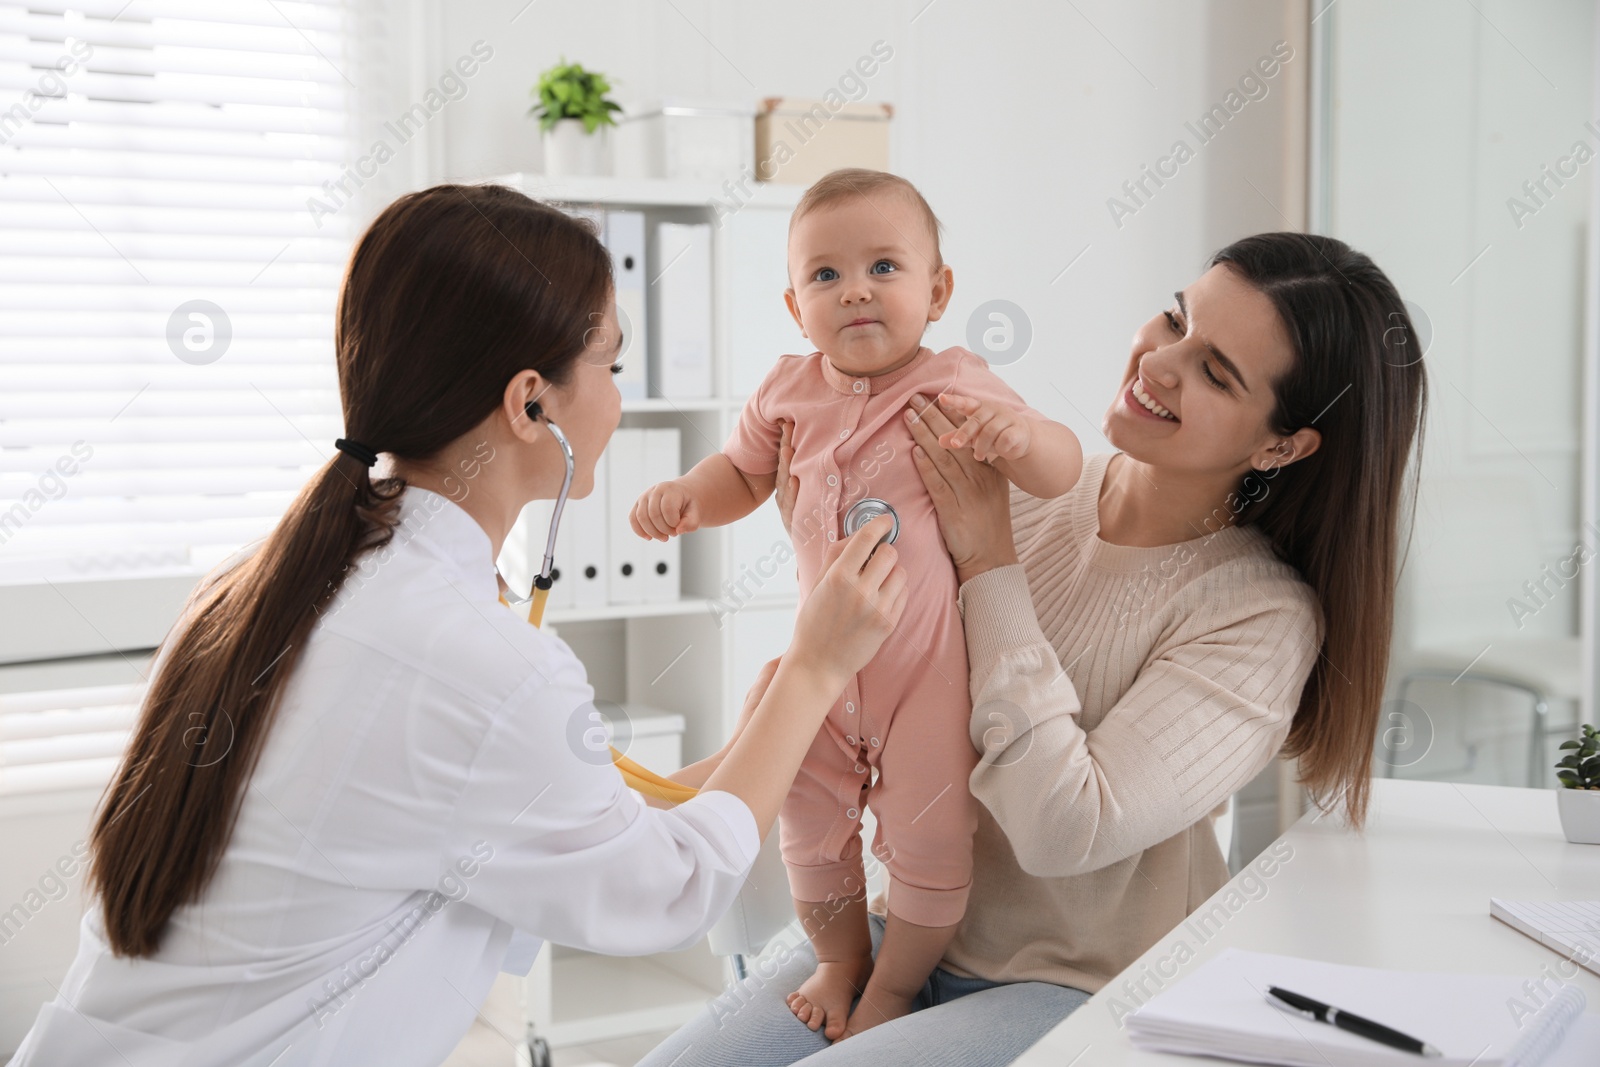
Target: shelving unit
697, 656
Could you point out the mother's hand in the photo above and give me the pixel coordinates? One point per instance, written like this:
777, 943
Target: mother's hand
786, 486
973, 499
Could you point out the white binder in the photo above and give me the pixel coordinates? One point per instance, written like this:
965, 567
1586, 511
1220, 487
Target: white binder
522, 555
662, 563
517, 563
625, 240
680, 311
581, 548
625, 482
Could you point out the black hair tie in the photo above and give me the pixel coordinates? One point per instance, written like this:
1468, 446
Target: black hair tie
361, 452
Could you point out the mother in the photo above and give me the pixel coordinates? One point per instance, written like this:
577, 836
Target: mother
1217, 590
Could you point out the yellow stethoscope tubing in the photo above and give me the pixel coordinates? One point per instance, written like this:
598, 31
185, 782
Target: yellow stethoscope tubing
636, 777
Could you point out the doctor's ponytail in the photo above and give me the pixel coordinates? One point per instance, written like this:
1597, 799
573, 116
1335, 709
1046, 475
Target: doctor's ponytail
450, 293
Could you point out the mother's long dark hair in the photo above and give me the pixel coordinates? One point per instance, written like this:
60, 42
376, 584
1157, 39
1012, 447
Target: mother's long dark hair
1357, 378
449, 294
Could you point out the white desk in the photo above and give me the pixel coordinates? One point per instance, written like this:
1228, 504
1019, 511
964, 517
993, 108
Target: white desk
1411, 893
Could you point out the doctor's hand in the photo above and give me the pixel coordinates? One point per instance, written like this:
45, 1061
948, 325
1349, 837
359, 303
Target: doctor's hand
854, 606
665, 510
972, 499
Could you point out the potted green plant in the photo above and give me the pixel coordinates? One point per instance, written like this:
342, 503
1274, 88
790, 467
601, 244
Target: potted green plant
1578, 799
574, 115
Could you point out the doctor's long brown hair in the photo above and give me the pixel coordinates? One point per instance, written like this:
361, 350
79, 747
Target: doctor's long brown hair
1337, 515
448, 295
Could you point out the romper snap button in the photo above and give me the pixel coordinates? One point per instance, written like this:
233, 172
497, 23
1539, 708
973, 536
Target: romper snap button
843, 434
851, 813
848, 706
832, 480
858, 386
874, 742
849, 740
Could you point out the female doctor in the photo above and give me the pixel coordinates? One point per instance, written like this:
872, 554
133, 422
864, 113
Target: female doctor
359, 786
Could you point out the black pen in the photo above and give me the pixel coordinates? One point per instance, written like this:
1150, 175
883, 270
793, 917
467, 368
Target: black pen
1327, 1013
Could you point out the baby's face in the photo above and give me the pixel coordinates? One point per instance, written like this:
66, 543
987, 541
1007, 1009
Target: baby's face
864, 284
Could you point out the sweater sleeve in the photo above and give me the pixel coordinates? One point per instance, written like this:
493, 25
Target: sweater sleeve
1208, 710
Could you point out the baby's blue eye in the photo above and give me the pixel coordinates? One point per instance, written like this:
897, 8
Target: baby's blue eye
883, 263
826, 274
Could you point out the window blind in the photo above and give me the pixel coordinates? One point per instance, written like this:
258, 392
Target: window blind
65, 739
166, 292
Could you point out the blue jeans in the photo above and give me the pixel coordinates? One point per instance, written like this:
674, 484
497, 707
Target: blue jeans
954, 1022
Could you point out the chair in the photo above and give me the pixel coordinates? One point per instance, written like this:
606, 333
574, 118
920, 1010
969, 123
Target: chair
1477, 548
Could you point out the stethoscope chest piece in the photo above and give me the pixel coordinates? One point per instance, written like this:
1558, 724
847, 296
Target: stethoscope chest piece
864, 511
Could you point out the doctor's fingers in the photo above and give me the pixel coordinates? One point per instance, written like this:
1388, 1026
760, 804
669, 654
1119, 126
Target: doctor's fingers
849, 557
889, 595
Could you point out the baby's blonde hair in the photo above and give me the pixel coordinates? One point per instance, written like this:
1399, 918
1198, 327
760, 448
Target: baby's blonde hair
837, 185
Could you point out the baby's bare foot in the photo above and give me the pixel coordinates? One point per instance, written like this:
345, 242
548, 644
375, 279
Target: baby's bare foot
876, 1007
823, 1000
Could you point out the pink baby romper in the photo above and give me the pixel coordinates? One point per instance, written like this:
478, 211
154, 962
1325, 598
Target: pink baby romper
906, 714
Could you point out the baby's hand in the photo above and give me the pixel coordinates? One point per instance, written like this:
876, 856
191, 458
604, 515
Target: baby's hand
665, 510
993, 432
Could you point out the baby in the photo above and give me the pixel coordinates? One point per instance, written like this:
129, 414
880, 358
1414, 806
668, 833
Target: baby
866, 278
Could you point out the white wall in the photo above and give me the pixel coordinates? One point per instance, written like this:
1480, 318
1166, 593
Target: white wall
1017, 121
1442, 112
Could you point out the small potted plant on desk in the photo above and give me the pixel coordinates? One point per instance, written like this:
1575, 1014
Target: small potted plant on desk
1578, 799
573, 112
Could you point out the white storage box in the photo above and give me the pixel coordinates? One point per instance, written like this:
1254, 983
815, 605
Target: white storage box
684, 140
657, 741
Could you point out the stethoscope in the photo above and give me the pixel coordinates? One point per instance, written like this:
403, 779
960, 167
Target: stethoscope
860, 513
635, 776
541, 583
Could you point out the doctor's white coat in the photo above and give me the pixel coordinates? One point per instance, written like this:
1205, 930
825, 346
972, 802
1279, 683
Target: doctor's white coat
426, 811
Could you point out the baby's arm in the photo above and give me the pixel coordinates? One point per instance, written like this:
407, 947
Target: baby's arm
1052, 464
713, 493
1041, 457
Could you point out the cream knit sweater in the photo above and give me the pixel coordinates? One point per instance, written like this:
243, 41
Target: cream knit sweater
1120, 695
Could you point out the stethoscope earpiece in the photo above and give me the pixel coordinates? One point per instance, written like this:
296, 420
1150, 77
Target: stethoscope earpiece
535, 412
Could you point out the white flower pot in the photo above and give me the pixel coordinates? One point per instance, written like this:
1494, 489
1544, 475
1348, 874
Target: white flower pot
569, 152
1580, 815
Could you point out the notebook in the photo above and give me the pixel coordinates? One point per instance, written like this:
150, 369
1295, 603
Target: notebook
1571, 927
1220, 1009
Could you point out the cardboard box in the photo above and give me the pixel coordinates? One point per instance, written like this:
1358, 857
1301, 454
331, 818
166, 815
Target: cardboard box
798, 141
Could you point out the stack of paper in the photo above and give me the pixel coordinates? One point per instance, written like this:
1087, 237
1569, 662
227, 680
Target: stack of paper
1475, 1020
